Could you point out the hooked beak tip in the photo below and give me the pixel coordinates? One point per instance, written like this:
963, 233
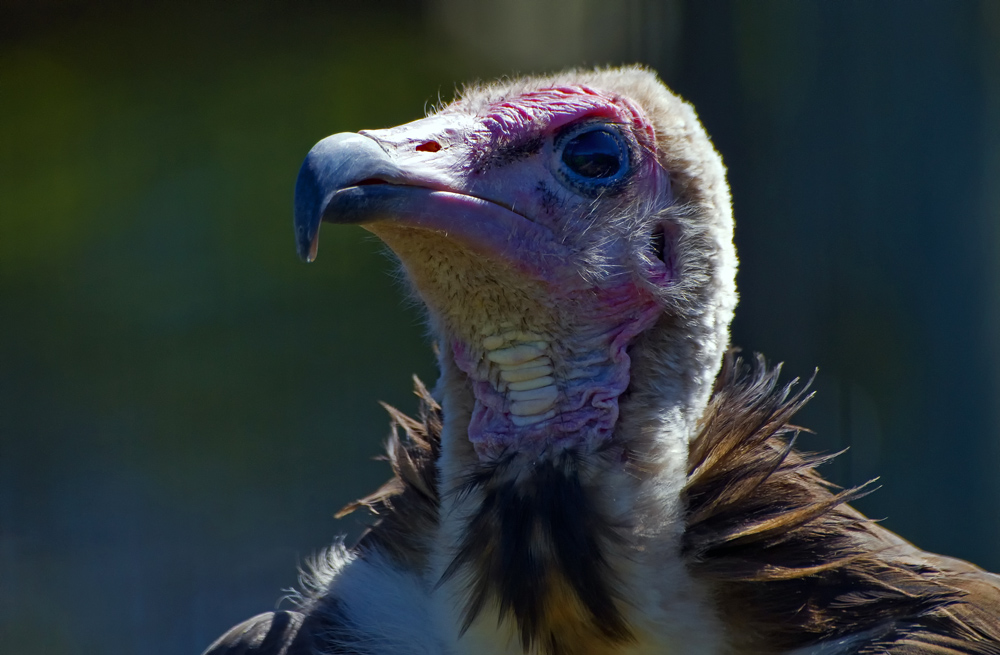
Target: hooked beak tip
306, 242
308, 213
307, 252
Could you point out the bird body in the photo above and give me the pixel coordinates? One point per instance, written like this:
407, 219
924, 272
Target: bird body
587, 477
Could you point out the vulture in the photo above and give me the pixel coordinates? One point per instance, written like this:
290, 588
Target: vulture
595, 472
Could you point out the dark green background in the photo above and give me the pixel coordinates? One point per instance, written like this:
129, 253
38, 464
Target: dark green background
183, 405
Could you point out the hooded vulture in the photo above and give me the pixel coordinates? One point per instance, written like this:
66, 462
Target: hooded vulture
593, 473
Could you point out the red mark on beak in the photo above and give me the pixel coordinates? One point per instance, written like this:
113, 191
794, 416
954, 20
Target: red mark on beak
429, 146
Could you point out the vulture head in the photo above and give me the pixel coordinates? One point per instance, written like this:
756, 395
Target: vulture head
584, 479
571, 238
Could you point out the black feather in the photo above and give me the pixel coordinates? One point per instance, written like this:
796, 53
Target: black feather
529, 537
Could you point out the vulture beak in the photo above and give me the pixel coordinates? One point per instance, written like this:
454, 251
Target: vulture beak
377, 176
335, 167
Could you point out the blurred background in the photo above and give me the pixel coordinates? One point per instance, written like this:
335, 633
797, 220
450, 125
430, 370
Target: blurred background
184, 405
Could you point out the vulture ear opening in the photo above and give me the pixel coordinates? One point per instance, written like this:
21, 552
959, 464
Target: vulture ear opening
661, 253
657, 242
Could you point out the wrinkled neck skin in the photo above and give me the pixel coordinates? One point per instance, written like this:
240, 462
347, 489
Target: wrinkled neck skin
544, 361
532, 367
539, 388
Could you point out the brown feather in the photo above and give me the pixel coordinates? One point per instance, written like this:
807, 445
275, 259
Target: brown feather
792, 564
407, 505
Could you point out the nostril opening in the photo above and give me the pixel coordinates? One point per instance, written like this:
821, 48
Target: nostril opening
429, 146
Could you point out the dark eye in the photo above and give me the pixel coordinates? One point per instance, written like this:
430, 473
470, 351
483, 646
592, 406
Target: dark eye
595, 154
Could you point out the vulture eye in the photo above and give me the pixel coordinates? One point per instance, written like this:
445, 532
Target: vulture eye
592, 155
595, 153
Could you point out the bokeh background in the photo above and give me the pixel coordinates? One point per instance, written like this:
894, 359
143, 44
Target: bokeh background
184, 405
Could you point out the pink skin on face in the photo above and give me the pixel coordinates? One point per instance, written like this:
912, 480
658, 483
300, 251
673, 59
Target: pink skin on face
490, 180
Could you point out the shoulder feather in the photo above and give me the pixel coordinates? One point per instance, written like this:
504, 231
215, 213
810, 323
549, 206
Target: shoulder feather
407, 505
793, 565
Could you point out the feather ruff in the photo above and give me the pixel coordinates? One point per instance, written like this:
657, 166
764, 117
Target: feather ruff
791, 564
